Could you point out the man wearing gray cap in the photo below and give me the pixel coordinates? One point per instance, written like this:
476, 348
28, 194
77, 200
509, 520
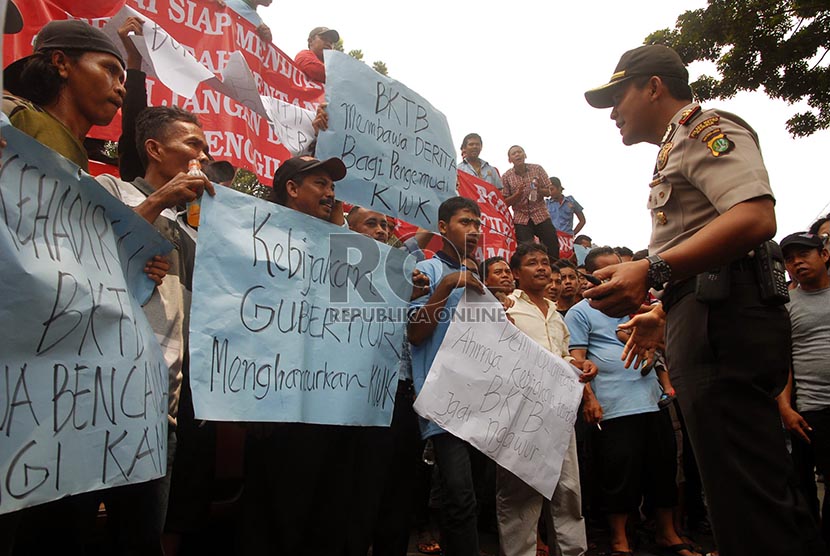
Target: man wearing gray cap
805, 402
310, 61
727, 338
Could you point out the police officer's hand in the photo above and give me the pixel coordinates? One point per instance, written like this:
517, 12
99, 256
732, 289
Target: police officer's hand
623, 289
795, 423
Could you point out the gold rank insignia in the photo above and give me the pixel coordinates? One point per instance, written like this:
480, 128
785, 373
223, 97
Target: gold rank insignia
708, 122
657, 180
661, 217
688, 115
663, 155
720, 145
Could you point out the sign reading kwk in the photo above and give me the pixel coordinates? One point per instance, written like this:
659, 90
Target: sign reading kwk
293, 319
396, 146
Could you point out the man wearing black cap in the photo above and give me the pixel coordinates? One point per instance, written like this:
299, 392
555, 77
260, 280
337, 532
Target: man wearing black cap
296, 497
807, 259
311, 60
306, 184
711, 206
72, 81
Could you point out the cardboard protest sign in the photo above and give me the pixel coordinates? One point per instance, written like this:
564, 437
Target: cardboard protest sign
83, 383
396, 146
502, 392
497, 235
298, 320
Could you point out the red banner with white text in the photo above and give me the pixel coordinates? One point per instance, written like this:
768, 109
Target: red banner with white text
211, 33
497, 235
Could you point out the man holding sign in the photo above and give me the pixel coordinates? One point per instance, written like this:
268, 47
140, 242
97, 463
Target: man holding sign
167, 138
291, 497
459, 220
518, 504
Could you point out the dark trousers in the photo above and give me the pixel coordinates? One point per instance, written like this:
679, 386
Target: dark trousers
297, 486
815, 456
546, 233
728, 360
637, 457
391, 534
136, 513
459, 518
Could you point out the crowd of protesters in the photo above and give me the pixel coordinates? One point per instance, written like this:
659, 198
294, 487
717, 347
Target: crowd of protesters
331, 490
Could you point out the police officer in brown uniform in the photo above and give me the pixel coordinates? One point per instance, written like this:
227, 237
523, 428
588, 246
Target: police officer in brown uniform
711, 207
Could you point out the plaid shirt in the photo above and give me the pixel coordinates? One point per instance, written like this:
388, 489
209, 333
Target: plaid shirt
524, 211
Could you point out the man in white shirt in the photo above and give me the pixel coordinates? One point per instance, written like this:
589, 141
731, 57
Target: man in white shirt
518, 505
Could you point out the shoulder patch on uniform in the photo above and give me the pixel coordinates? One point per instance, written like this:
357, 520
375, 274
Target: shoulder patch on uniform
698, 129
688, 115
669, 132
709, 134
720, 144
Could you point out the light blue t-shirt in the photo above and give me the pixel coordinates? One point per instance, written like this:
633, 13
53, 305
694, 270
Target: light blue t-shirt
488, 173
620, 391
424, 353
562, 215
245, 10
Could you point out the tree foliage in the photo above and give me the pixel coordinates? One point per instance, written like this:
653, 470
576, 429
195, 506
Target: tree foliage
246, 181
778, 45
357, 54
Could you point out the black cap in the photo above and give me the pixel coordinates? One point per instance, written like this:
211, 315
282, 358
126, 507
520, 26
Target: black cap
64, 34
331, 34
652, 59
805, 239
293, 167
14, 21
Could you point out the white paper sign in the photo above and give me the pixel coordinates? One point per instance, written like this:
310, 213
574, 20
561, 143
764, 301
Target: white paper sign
291, 124
505, 394
161, 55
174, 65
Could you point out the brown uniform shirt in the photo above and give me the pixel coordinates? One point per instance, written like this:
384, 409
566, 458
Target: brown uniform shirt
709, 161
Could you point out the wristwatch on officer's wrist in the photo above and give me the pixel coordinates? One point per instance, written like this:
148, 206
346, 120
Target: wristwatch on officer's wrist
659, 272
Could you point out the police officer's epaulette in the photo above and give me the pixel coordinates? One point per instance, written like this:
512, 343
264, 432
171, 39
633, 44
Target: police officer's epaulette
688, 115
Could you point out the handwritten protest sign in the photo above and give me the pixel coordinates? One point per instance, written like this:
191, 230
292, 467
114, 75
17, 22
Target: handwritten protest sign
83, 384
292, 124
502, 392
497, 235
166, 58
297, 321
396, 146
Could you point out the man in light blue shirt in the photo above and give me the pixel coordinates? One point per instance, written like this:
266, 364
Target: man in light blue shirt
563, 208
459, 221
247, 9
473, 165
634, 444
